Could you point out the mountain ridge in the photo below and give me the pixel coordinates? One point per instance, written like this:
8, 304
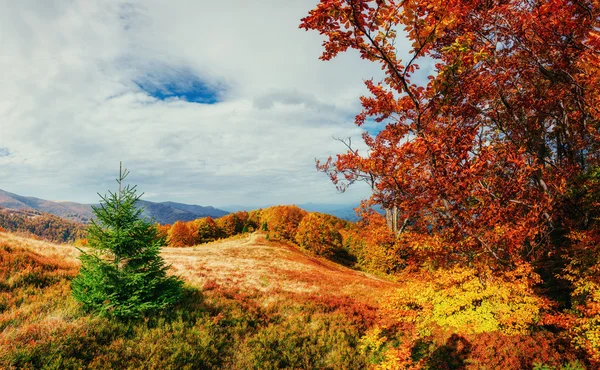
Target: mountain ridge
161, 212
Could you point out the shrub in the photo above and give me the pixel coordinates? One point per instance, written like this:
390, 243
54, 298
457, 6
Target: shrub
462, 299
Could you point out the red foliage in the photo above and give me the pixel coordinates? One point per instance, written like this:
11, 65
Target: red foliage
359, 314
480, 154
497, 351
181, 235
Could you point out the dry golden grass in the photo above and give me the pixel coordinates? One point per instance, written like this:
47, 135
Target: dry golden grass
248, 263
253, 263
66, 251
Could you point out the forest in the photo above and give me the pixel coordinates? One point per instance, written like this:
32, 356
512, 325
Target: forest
41, 225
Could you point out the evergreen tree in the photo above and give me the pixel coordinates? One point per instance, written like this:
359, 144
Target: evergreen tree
123, 275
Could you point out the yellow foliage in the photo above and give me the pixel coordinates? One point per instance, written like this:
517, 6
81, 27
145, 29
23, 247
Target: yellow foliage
399, 358
372, 344
461, 299
583, 272
372, 341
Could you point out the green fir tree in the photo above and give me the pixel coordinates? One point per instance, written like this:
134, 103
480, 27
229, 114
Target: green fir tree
122, 274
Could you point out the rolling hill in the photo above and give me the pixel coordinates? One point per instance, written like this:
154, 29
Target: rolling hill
250, 303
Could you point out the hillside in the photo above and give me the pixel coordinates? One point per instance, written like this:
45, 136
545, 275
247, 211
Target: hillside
163, 212
252, 263
248, 263
250, 303
170, 212
40, 225
68, 210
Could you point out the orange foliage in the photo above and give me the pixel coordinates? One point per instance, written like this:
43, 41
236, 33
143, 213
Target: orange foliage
282, 221
42, 225
479, 154
230, 224
254, 218
163, 231
206, 230
319, 233
583, 272
373, 243
181, 235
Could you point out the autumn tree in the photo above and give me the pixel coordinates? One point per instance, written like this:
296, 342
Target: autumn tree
122, 273
317, 232
244, 222
181, 235
375, 245
480, 149
206, 230
163, 231
283, 221
254, 218
230, 224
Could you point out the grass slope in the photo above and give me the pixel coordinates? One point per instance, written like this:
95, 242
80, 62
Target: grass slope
250, 304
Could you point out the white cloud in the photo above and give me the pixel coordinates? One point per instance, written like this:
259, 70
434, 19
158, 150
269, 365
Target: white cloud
70, 109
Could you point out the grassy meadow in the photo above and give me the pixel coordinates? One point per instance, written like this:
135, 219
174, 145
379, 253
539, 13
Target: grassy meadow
249, 303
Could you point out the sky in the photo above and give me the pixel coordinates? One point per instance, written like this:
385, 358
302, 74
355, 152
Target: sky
205, 102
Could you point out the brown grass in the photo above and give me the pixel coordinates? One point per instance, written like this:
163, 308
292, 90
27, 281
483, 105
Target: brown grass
253, 263
248, 263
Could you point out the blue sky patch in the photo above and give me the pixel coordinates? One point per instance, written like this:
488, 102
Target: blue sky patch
372, 127
179, 83
4, 152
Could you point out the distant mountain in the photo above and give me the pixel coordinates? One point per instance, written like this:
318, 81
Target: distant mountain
198, 210
163, 213
343, 211
170, 212
69, 210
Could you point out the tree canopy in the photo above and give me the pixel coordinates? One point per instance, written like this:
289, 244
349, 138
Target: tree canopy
484, 151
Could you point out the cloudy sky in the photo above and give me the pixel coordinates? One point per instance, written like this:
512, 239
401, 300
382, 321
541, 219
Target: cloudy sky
206, 102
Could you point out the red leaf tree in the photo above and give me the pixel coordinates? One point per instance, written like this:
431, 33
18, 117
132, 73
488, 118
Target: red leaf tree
181, 235
481, 153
